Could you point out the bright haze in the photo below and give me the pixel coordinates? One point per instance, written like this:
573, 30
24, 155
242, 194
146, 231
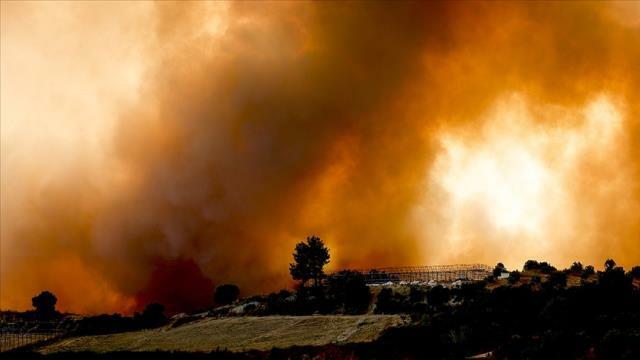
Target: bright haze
151, 151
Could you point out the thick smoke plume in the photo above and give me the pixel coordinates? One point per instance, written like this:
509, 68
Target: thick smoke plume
152, 151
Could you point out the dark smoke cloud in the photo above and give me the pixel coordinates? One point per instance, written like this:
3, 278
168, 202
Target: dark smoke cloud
179, 285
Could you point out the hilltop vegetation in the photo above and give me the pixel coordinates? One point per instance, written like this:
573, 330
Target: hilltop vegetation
538, 315
538, 312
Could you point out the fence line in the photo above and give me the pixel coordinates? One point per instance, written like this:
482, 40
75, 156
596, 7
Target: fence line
438, 273
15, 337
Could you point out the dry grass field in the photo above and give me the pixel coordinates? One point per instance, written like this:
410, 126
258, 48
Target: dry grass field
238, 334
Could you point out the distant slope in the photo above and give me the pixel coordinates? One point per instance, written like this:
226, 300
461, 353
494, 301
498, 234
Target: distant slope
239, 334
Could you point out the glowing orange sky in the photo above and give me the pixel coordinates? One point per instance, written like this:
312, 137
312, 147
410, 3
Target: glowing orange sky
140, 140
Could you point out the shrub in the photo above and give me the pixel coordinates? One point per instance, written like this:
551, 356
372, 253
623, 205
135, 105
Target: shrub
546, 268
438, 296
226, 294
106, 324
152, 316
45, 305
609, 265
614, 282
531, 265
280, 303
635, 272
498, 270
557, 280
416, 295
576, 267
514, 276
588, 271
348, 290
385, 302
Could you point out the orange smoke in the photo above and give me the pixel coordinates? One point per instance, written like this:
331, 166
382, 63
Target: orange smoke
155, 150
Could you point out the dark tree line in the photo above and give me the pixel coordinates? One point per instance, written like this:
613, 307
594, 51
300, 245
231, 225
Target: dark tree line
542, 318
596, 319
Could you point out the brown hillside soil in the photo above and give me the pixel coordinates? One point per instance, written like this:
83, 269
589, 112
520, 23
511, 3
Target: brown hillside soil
239, 334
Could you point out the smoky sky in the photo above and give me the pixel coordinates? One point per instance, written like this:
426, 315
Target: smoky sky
213, 137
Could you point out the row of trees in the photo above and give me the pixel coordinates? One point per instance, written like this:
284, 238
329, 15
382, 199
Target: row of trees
556, 277
44, 304
599, 317
347, 292
310, 258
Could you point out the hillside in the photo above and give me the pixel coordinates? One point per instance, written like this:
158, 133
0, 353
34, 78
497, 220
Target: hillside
239, 334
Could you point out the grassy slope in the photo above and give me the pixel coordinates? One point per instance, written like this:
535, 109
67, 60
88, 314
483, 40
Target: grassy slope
238, 334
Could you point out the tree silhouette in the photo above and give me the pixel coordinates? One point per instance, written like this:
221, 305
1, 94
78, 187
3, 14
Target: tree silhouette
514, 276
309, 260
609, 265
588, 271
531, 265
576, 267
226, 294
498, 270
556, 280
45, 304
385, 303
152, 316
349, 290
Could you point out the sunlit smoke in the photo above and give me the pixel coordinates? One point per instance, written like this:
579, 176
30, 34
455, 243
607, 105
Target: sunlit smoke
509, 186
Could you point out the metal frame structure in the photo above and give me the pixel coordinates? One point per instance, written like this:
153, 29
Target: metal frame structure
438, 273
17, 335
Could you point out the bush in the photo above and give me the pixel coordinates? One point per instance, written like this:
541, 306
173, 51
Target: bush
152, 316
498, 270
557, 280
514, 276
45, 305
609, 265
438, 296
546, 268
416, 295
615, 282
280, 303
385, 303
588, 271
106, 324
531, 265
635, 272
348, 290
226, 294
576, 267
389, 302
